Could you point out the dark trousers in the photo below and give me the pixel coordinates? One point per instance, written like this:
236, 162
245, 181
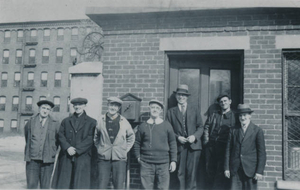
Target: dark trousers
38, 172
215, 155
152, 174
240, 181
187, 169
118, 170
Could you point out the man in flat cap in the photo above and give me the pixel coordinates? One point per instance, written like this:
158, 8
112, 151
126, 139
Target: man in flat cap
41, 146
245, 157
187, 124
216, 131
156, 150
75, 137
113, 139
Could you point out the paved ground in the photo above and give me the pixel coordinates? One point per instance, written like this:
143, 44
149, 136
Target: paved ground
12, 165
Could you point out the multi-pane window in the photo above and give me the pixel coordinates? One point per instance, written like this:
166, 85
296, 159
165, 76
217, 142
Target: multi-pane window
60, 34
2, 103
4, 77
42, 98
19, 56
56, 101
44, 79
73, 54
28, 103
33, 35
46, 34
20, 35
31, 56
7, 36
74, 33
15, 103
30, 79
6, 56
45, 58
291, 116
59, 55
57, 79
17, 79
13, 125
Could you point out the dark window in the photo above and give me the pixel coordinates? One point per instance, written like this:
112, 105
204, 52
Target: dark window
2, 103
6, 56
19, 56
45, 58
7, 36
33, 35
28, 103
20, 35
15, 103
32, 56
74, 33
44, 79
30, 79
17, 79
60, 34
59, 55
56, 101
57, 79
46, 34
4, 79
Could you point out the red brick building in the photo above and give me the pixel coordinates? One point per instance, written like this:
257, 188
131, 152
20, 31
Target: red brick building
251, 51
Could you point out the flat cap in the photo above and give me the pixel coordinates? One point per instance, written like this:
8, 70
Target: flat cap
41, 102
153, 101
115, 99
79, 101
222, 95
243, 108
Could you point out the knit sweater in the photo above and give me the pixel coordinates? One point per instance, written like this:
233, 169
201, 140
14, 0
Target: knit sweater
156, 143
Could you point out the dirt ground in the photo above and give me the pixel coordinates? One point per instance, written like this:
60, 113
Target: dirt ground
12, 165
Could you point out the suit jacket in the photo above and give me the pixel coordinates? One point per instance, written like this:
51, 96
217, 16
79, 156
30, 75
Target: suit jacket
248, 151
193, 124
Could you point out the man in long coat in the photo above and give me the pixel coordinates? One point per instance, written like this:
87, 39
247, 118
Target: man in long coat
245, 157
76, 140
187, 124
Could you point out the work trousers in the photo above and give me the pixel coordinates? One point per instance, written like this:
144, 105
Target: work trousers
38, 172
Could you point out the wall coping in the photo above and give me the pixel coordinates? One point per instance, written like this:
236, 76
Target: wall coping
87, 67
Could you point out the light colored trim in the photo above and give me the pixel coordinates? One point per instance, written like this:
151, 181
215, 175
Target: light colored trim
287, 41
204, 43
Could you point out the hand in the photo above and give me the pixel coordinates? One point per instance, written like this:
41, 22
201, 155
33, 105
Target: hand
191, 139
182, 140
227, 173
172, 167
258, 176
205, 140
139, 160
71, 151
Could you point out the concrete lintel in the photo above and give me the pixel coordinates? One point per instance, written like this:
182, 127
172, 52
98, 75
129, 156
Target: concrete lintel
204, 43
87, 67
288, 42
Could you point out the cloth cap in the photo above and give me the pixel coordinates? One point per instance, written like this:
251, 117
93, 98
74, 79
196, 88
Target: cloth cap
243, 108
153, 101
182, 89
79, 101
114, 99
222, 96
41, 102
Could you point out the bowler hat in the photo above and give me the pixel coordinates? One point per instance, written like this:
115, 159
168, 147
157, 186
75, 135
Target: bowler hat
79, 101
243, 108
41, 102
182, 89
153, 101
115, 99
222, 95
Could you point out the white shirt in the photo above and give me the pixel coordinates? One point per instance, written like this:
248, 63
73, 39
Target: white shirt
157, 120
245, 127
180, 106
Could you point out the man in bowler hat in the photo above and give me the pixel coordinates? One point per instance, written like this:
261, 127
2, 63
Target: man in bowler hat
41, 146
73, 170
187, 124
245, 157
216, 131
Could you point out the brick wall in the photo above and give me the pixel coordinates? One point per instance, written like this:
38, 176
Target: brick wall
134, 64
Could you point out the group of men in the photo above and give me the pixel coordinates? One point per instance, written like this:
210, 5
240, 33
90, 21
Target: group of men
168, 151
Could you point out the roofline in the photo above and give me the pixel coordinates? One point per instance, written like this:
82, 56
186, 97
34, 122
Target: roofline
48, 22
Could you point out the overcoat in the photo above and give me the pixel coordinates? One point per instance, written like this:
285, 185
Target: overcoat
74, 172
193, 124
247, 150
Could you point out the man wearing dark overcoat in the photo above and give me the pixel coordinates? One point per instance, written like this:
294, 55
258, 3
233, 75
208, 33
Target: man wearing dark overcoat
75, 137
41, 146
245, 157
187, 124
216, 131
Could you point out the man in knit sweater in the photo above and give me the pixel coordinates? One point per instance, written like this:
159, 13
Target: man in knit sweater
156, 150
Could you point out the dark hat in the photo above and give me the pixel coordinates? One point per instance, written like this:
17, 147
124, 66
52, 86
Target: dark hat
243, 108
183, 89
115, 99
41, 102
153, 101
222, 95
79, 101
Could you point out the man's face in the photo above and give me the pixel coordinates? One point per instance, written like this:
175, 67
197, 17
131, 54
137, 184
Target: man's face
155, 110
244, 118
113, 108
79, 107
181, 98
44, 110
225, 103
